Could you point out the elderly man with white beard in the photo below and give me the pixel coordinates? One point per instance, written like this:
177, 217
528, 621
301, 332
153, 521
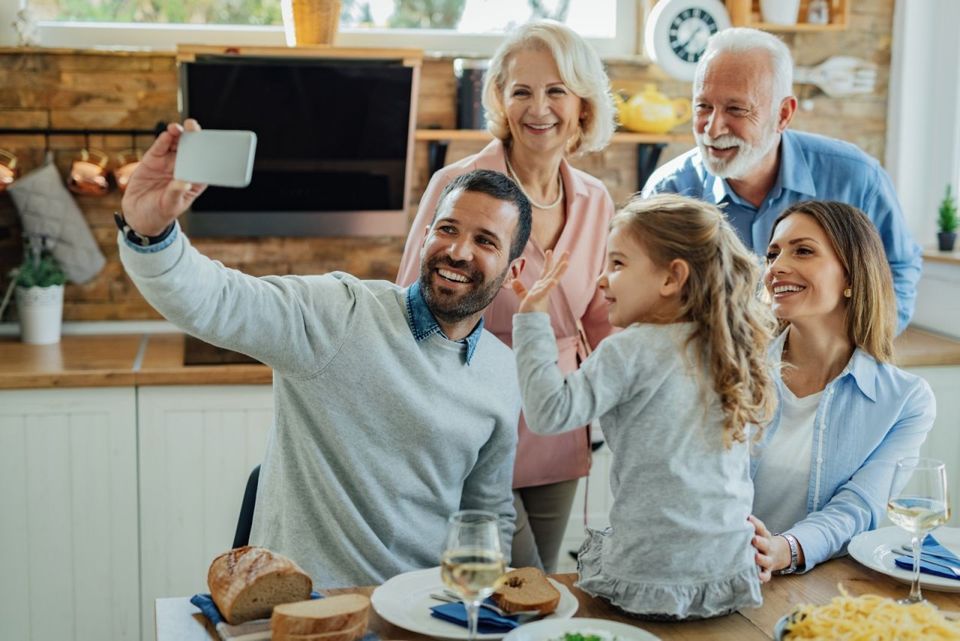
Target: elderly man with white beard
747, 160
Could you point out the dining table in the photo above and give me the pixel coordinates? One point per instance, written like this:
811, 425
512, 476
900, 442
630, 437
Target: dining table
178, 620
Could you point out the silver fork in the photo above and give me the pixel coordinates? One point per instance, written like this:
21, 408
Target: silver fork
523, 615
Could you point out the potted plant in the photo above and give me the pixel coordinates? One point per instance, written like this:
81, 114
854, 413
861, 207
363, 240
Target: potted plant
39, 282
947, 222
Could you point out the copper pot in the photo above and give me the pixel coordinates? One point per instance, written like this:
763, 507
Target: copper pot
8, 169
88, 174
127, 163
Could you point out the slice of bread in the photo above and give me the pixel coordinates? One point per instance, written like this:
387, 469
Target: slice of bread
344, 613
526, 589
246, 583
351, 634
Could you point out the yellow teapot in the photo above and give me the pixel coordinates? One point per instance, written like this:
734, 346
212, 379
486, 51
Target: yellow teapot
651, 112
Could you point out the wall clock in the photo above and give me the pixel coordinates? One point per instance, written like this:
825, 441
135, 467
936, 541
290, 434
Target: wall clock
677, 32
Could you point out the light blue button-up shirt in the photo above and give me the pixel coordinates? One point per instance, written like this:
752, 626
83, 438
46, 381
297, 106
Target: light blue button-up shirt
869, 416
812, 167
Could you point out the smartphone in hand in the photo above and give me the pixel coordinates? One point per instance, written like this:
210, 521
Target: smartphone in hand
220, 157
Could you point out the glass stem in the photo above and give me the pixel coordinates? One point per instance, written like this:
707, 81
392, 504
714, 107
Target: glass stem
915, 596
473, 613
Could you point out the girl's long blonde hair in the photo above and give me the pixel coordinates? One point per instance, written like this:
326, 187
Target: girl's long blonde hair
733, 327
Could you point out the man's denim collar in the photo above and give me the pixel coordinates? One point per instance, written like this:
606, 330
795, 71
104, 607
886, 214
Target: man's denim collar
423, 324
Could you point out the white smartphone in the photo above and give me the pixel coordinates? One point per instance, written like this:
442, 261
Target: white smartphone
221, 157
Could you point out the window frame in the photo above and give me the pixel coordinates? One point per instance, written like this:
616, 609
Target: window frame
88, 35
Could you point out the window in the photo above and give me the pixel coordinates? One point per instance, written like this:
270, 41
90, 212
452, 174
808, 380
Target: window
453, 26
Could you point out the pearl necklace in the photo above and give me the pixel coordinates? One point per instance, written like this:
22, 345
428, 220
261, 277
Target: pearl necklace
513, 175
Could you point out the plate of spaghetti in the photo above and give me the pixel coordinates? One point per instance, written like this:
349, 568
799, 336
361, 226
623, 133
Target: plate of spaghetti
866, 617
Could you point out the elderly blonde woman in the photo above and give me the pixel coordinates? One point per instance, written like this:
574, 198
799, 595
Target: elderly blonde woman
546, 97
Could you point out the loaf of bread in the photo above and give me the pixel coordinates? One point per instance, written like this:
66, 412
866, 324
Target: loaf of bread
246, 583
526, 589
336, 618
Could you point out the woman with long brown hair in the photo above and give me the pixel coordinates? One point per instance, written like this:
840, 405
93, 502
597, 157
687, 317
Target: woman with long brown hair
846, 414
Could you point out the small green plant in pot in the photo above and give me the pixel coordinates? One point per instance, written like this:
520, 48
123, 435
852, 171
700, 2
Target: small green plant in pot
40, 281
947, 222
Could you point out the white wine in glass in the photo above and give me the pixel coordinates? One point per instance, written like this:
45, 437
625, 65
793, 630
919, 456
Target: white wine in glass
918, 503
472, 562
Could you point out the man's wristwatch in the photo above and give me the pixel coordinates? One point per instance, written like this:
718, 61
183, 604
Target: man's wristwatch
138, 238
794, 554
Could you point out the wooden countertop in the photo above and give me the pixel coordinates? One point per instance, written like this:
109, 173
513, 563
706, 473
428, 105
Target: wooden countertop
115, 361
157, 359
178, 620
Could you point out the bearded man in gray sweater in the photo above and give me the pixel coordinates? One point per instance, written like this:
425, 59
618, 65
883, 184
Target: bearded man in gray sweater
394, 407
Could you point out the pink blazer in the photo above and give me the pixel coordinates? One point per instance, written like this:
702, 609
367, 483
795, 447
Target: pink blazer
541, 459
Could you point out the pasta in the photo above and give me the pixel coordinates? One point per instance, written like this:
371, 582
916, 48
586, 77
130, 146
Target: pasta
869, 618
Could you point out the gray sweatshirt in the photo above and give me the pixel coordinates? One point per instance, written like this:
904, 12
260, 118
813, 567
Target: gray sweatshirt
679, 541
377, 438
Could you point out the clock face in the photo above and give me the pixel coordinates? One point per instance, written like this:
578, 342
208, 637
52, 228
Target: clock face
677, 31
689, 32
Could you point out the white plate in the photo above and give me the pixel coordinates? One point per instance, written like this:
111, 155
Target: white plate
405, 601
876, 550
546, 630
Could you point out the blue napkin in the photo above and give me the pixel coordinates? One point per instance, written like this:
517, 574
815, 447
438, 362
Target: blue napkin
258, 630
488, 622
929, 565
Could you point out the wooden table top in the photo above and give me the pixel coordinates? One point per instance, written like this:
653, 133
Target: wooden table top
178, 620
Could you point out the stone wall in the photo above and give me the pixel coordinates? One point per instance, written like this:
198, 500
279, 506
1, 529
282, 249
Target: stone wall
78, 89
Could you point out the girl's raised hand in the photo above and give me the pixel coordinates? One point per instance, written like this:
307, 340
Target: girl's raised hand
537, 298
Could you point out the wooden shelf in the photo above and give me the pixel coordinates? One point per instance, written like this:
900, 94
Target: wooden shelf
482, 135
746, 13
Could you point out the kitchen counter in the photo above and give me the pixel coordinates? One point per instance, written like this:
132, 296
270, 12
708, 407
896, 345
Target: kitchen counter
115, 361
157, 359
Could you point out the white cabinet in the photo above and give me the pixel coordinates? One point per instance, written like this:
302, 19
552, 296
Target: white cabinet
68, 515
943, 442
197, 447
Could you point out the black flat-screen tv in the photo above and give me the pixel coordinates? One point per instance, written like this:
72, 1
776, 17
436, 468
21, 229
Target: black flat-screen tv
334, 142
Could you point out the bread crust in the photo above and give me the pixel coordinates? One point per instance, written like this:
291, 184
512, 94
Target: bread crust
341, 613
526, 589
247, 582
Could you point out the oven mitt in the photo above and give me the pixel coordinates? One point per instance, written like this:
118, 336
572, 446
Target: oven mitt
47, 209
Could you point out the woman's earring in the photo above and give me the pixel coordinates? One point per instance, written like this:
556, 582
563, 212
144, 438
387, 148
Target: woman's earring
847, 293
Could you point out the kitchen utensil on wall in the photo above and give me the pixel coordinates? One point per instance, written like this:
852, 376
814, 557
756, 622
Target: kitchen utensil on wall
127, 163
8, 168
839, 76
88, 174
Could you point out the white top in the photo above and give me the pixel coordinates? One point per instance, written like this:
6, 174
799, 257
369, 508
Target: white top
784, 471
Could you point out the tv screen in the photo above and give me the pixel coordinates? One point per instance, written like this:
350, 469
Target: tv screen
334, 141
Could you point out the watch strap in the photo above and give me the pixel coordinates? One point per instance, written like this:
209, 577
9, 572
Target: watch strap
137, 238
794, 553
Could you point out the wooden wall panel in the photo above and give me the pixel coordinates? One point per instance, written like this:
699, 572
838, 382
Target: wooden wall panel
71, 89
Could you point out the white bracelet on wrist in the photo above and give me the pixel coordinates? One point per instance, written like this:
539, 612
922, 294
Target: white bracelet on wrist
794, 553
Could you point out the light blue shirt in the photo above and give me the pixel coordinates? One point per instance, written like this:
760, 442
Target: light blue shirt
812, 167
869, 416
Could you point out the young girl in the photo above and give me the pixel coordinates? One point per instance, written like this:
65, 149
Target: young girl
676, 393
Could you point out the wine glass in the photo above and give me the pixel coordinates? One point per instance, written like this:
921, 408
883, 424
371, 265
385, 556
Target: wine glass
472, 562
918, 504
